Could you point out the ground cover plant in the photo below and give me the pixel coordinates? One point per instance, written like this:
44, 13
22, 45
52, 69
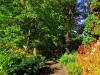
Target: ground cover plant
69, 62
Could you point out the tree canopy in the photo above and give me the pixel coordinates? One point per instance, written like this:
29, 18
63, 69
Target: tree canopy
92, 23
35, 24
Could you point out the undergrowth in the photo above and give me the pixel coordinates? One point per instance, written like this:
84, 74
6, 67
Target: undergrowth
88, 57
19, 63
69, 62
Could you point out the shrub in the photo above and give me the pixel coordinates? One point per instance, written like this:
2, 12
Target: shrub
69, 61
66, 58
89, 58
12, 63
73, 69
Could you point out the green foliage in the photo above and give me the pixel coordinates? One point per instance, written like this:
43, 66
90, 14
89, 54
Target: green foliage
39, 24
52, 59
26, 21
87, 39
68, 60
73, 69
11, 36
12, 63
92, 25
92, 22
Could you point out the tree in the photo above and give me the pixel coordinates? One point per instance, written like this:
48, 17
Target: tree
92, 23
82, 10
35, 24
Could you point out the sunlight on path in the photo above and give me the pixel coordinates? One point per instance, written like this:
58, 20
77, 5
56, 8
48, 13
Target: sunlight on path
52, 68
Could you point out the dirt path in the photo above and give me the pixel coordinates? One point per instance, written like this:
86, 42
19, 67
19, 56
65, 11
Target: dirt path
52, 68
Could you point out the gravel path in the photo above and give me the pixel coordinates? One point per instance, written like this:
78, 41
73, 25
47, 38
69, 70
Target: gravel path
52, 68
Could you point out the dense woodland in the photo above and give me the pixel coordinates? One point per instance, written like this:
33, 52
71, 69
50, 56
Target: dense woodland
34, 31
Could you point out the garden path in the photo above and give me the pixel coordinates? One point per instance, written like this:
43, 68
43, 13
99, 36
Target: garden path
52, 68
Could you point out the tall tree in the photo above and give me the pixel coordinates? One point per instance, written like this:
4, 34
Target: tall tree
92, 23
82, 10
31, 24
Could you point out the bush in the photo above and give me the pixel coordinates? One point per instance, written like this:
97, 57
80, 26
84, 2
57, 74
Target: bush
89, 58
68, 60
12, 63
73, 69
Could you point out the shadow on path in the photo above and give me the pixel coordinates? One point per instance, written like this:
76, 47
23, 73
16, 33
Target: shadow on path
52, 68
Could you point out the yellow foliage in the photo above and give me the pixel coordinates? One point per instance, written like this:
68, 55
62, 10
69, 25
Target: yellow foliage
1, 67
23, 52
90, 60
22, 1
